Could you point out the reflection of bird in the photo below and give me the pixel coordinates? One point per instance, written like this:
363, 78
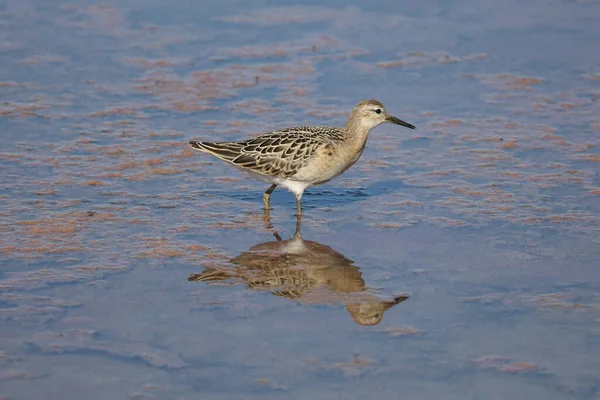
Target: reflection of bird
304, 156
304, 271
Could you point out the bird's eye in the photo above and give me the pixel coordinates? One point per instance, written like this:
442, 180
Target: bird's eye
378, 111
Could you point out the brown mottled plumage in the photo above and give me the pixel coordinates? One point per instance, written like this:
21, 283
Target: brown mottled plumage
279, 153
303, 156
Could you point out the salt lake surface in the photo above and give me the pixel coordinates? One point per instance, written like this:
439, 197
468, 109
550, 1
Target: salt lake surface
457, 261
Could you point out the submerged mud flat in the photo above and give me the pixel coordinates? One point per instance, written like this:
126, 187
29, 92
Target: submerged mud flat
458, 260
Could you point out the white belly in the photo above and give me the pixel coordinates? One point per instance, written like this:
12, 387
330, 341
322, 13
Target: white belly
296, 187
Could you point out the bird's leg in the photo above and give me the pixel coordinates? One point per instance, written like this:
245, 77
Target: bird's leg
267, 196
267, 219
298, 226
298, 207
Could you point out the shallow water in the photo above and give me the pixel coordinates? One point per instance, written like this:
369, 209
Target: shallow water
456, 261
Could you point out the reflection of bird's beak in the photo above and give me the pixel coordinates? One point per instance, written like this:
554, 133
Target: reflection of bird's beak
389, 304
393, 120
371, 312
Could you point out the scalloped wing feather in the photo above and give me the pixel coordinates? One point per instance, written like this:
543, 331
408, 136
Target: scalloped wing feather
280, 153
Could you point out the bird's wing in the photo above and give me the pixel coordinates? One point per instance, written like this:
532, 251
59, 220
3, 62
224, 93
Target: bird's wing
279, 153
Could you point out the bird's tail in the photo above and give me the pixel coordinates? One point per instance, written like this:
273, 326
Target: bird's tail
226, 151
198, 145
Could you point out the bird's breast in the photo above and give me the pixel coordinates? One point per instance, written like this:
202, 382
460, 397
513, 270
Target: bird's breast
330, 162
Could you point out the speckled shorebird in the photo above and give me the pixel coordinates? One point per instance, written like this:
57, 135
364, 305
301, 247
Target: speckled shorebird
303, 156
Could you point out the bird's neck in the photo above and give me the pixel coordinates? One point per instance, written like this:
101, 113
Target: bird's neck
357, 133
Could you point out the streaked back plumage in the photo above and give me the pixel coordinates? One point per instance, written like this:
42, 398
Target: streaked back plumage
279, 153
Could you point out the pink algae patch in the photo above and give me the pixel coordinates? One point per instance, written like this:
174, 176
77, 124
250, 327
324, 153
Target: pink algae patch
154, 161
61, 233
524, 81
558, 300
401, 331
46, 192
283, 15
255, 106
12, 109
112, 175
110, 150
185, 152
520, 367
46, 59
504, 365
164, 171
16, 84
411, 203
379, 163
227, 179
392, 64
474, 193
125, 165
591, 157
195, 91
509, 144
422, 59
391, 225
157, 248
115, 111
447, 123
50, 227
195, 247
353, 368
282, 49
10, 156
13, 374
94, 183
153, 63
510, 82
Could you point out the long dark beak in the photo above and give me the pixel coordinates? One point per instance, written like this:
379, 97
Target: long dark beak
393, 120
392, 303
